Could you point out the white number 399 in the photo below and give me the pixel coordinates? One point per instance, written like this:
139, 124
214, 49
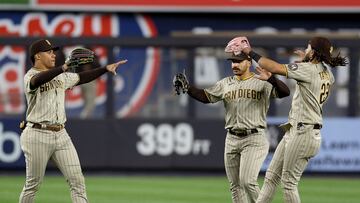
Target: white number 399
165, 139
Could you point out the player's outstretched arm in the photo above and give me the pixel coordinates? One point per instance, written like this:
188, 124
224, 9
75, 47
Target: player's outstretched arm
182, 86
266, 63
242, 44
272, 66
198, 94
45, 76
112, 67
90, 75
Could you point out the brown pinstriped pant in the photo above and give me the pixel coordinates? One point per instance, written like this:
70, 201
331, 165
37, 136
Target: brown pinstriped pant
243, 159
288, 163
41, 145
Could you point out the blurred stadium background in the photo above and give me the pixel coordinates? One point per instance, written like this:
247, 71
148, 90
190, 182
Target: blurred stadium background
142, 143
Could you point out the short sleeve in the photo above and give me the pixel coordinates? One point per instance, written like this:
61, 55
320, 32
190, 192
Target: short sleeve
215, 92
71, 79
301, 72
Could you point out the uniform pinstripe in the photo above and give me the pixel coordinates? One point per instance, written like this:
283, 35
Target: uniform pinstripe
46, 106
301, 142
246, 103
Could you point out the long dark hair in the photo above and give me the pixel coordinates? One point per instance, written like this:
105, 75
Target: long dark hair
322, 52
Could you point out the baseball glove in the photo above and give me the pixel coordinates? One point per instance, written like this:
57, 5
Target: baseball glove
180, 83
236, 45
79, 56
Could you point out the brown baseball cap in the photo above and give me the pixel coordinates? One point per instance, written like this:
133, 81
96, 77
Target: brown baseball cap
41, 45
239, 57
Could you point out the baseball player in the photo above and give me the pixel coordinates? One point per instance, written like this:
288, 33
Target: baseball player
246, 100
302, 138
44, 136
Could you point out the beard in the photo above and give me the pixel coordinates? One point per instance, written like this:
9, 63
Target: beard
238, 71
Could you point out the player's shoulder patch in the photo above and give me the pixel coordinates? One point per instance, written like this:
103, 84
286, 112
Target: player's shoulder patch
292, 66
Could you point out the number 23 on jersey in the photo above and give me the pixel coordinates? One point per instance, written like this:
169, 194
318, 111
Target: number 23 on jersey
324, 92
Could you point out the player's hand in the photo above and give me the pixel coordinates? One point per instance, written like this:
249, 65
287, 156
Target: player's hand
262, 74
65, 67
300, 54
112, 67
246, 50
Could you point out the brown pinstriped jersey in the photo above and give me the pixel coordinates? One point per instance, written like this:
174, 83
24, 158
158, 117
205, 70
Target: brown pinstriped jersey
46, 104
246, 101
313, 86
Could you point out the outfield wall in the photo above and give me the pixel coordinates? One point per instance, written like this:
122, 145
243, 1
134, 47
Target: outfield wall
157, 49
138, 122
178, 144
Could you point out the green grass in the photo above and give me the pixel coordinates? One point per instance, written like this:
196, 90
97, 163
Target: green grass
174, 189
14, 1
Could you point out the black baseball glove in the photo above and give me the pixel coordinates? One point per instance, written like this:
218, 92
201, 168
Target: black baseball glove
79, 56
180, 83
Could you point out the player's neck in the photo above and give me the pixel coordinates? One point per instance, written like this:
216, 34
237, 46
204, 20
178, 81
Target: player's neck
39, 67
245, 76
315, 61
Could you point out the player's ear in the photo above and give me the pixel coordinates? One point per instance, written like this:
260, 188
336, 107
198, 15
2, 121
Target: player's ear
37, 56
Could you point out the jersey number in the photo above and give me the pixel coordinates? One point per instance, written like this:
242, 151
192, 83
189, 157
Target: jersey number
324, 92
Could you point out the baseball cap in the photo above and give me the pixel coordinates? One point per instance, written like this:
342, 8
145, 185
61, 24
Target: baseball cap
41, 45
239, 57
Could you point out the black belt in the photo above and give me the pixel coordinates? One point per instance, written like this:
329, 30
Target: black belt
243, 133
317, 126
53, 127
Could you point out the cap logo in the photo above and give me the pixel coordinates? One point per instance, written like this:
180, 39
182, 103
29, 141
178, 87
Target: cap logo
47, 41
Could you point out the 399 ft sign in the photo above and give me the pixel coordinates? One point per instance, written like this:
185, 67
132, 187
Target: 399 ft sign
166, 139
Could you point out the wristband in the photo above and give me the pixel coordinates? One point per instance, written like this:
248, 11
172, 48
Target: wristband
256, 57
